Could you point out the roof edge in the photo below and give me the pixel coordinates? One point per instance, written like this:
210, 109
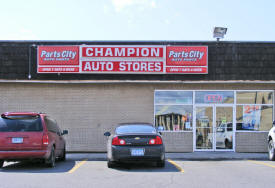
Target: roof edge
138, 81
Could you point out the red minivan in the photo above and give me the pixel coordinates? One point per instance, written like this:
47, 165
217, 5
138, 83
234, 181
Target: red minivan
29, 136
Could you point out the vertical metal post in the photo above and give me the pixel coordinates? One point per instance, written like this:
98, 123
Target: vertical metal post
30, 55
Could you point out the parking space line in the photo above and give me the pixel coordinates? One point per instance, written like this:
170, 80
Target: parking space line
262, 163
77, 166
176, 165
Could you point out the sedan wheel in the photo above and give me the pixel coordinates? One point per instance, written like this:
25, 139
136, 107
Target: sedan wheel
161, 164
1, 163
271, 150
111, 164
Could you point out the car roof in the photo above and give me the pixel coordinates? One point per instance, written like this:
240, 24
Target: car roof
20, 114
135, 123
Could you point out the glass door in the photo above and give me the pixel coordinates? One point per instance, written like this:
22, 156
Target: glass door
224, 128
204, 128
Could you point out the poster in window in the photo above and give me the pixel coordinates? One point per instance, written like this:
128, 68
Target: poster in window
251, 117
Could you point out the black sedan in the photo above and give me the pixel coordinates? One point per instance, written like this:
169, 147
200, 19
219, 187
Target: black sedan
135, 142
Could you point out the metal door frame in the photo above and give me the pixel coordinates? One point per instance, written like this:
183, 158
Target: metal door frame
214, 106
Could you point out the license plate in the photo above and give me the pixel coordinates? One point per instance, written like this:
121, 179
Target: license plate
137, 152
17, 140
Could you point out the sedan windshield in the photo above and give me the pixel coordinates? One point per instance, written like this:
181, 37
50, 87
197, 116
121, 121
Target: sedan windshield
125, 129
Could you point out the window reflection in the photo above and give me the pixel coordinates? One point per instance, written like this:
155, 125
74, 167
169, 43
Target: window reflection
174, 117
204, 128
254, 97
254, 117
173, 97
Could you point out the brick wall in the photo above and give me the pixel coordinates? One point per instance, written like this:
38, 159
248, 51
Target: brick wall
178, 141
251, 141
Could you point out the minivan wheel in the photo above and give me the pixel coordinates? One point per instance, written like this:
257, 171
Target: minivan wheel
1, 163
271, 150
51, 160
63, 156
161, 163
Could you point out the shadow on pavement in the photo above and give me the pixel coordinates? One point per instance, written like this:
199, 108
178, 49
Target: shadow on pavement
37, 167
145, 167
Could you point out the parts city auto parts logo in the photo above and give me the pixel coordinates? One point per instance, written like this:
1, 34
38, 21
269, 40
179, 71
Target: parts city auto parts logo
58, 55
187, 56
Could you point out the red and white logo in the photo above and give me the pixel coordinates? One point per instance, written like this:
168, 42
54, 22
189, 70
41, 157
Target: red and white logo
58, 55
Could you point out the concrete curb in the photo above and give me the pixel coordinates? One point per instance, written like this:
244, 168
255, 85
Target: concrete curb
194, 156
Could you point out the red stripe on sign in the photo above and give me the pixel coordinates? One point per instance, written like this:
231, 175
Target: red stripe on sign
186, 70
58, 69
122, 66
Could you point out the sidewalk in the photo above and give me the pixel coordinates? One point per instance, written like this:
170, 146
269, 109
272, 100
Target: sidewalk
199, 156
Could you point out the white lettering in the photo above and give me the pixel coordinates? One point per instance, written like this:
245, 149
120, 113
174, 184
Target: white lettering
143, 66
130, 51
120, 53
158, 66
110, 66
87, 66
43, 53
155, 52
150, 66
89, 51
144, 52
122, 66
136, 66
99, 52
201, 54
109, 52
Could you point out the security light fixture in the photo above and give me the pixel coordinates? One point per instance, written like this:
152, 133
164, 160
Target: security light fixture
219, 32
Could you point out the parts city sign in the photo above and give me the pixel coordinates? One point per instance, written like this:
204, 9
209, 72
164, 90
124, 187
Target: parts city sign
130, 59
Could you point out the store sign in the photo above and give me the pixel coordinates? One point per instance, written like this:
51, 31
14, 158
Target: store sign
122, 59
213, 98
56, 59
187, 59
122, 51
129, 59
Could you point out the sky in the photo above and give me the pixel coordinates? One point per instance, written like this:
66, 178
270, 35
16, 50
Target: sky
136, 20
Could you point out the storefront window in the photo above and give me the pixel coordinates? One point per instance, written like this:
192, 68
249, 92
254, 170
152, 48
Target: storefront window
253, 117
214, 97
173, 110
254, 97
173, 97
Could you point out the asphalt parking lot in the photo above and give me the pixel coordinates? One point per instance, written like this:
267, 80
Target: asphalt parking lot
85, 172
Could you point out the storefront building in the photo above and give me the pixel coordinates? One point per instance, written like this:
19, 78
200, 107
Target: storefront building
206, 96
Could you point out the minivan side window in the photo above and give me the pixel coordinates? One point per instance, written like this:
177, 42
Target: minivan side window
52, 125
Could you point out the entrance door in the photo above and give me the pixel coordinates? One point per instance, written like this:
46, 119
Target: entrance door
213, 128
204, 128
224, 128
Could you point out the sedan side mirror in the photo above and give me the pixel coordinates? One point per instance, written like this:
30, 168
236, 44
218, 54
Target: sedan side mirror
65, 132
107, 134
